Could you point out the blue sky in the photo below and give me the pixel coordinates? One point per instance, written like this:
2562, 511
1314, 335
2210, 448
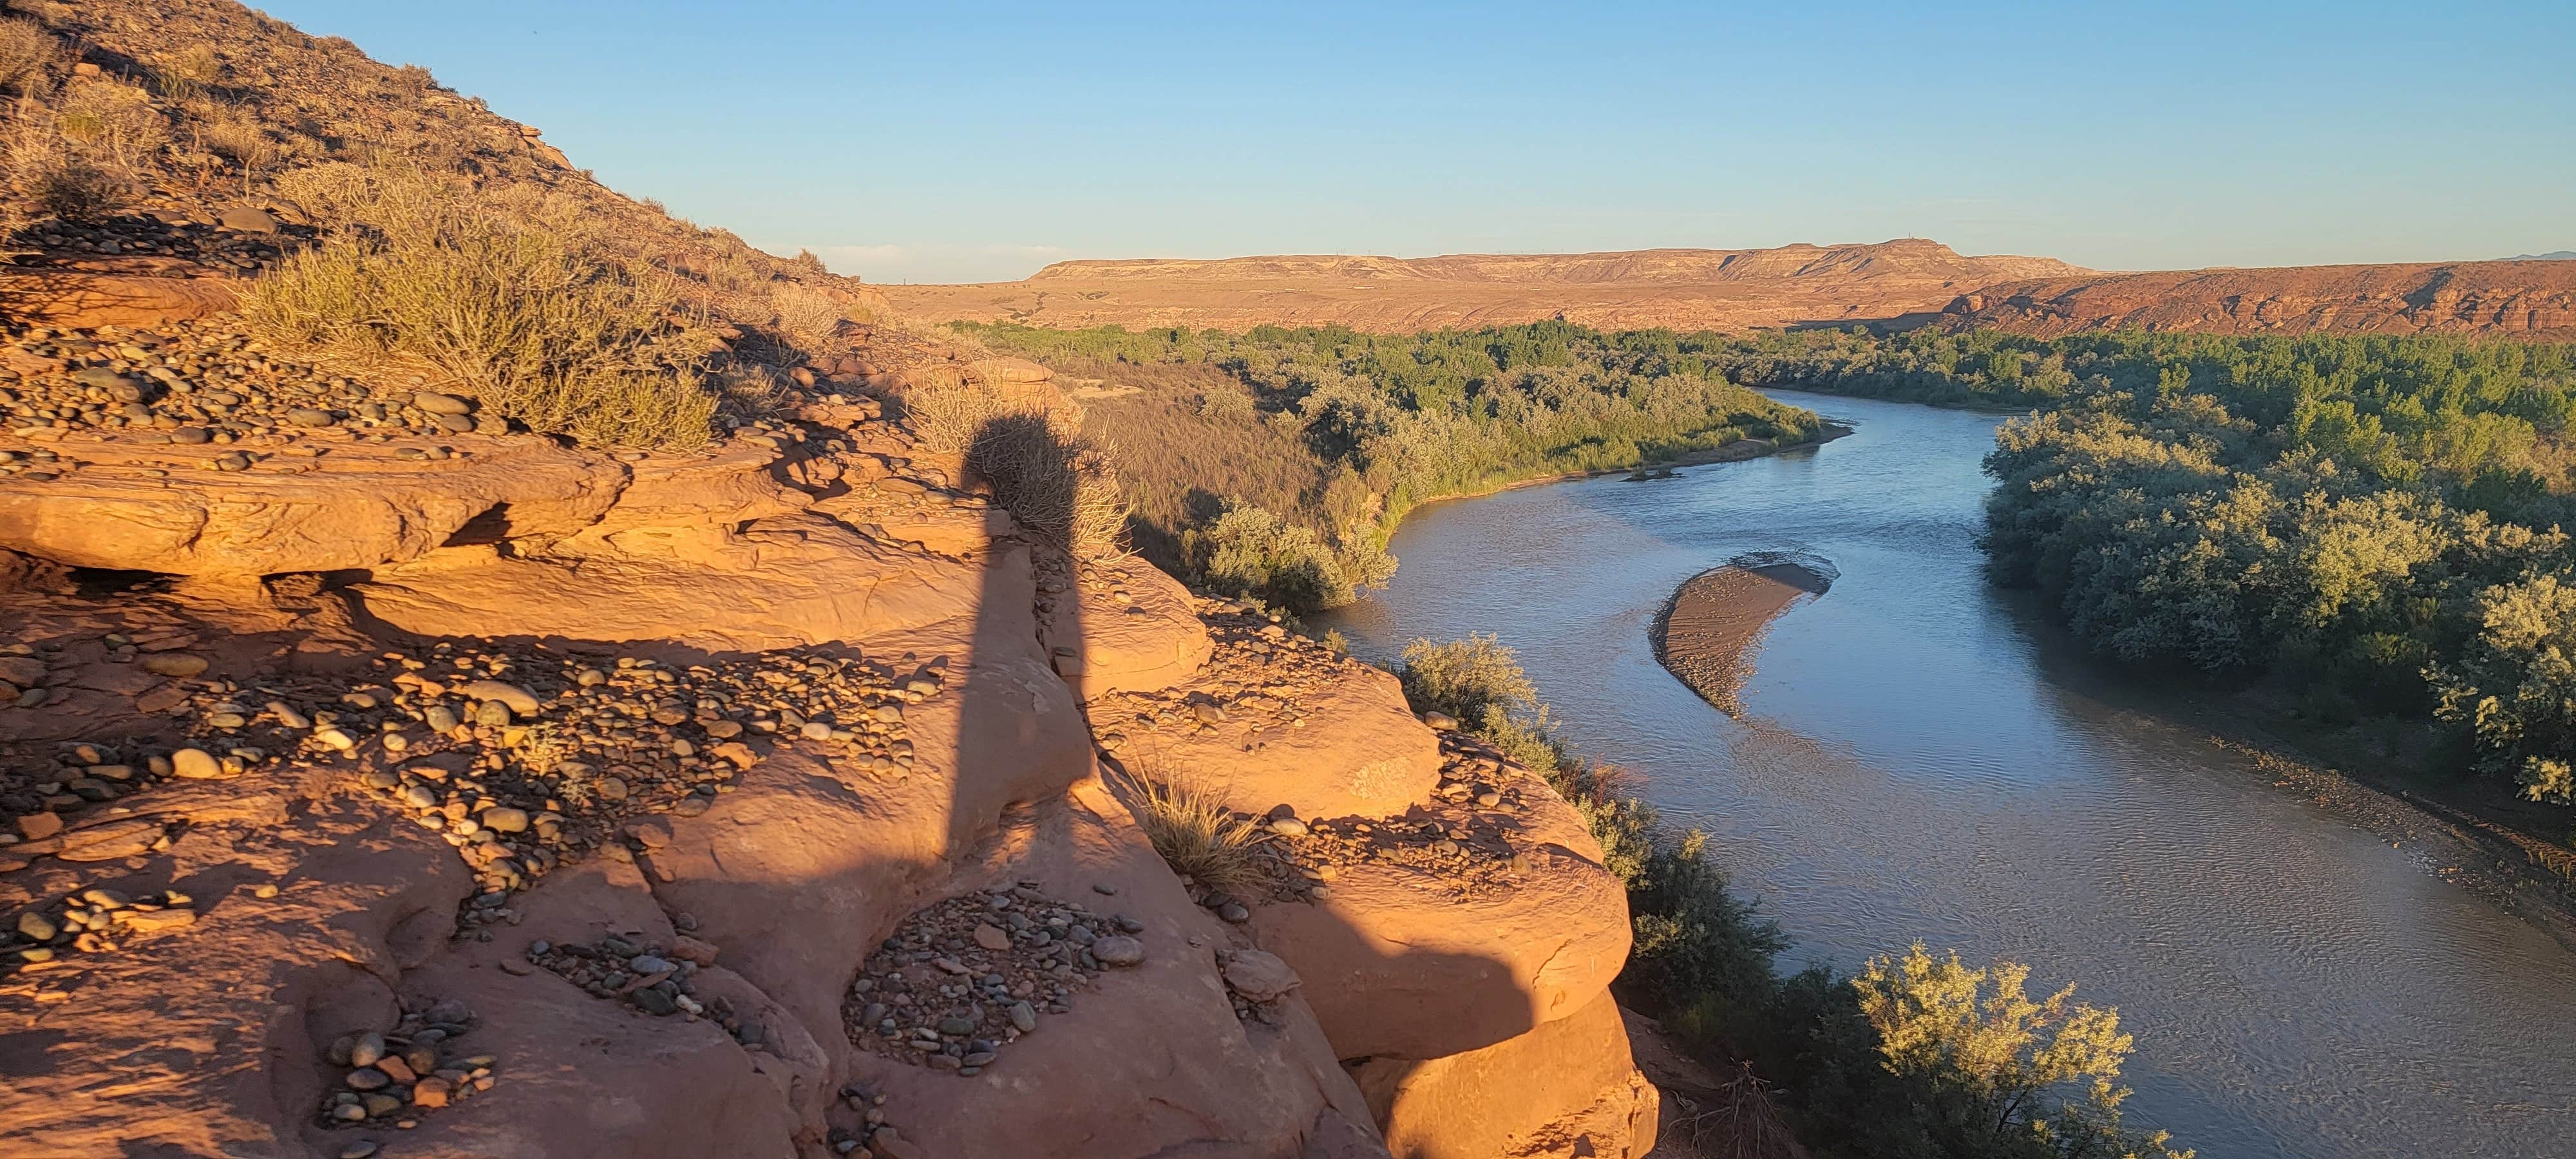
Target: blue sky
937, 142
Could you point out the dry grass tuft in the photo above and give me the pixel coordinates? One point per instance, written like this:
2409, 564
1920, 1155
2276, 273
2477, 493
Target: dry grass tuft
509, 297
28, 57
810, 317
1039, 464
1192, 829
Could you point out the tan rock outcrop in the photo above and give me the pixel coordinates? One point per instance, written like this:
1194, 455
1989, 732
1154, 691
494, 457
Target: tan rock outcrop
1361, 752
1128, 628
1401, 964
1565, 1089
163, 508
87, 298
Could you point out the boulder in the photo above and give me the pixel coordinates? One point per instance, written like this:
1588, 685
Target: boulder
1148, 642
1361, 754
1397, 963
1564, 1090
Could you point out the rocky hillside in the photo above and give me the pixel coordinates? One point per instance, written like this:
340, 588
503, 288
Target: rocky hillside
1678, 288
2510, 299
385, 771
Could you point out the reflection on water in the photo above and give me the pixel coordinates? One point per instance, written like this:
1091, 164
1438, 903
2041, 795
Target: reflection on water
1908, 768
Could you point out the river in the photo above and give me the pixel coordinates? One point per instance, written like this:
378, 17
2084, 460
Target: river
1923, 757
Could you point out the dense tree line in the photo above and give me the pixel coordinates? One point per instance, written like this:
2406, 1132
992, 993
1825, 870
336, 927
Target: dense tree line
1392, 421
2376, 519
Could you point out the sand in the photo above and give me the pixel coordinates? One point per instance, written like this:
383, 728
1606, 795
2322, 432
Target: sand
1708, 629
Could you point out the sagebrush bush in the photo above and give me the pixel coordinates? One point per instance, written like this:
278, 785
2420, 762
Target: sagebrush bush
512, 300
1466, 677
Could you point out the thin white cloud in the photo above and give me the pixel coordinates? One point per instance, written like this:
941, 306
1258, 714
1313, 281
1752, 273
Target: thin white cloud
935, 262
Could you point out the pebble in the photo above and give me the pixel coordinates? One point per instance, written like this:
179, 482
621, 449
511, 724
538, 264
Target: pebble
992, 938
358, 1150
195, 765
1118, 950
506, 820
173, 664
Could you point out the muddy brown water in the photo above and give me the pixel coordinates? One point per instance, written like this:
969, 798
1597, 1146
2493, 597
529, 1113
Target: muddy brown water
1922, 757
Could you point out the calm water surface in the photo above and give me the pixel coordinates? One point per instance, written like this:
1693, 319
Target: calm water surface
1922, 759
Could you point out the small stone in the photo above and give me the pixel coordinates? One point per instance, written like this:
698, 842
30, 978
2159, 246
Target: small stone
506, 820
1440, 721
992, 938
38, 826
336, 739
305, 416
1233, 911
955, 1024
1024, 1017
367, 1049
440, 718
179, 665
519, 700
1104, 889
368, 1079
1288, 827
244, 219
440, 404
192, 436
1118, 951
816, 730
1259, 975
649, 964
432, 1092
36, 927
363, 1147
195, 765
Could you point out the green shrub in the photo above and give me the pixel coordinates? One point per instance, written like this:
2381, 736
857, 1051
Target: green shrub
1248, 551
1465, 678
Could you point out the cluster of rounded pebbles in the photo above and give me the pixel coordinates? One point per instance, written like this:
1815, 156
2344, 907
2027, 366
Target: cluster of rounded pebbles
546, 754
391, 1078
1253, 682
658, 980
88, 921
204, 382
38, 795
959, 981
242, 240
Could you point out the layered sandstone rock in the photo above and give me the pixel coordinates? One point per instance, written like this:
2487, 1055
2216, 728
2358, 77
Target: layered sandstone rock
2535, 299
323, 503
1680, 288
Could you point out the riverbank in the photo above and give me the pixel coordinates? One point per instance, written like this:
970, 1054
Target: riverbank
2460, 841
1739, 451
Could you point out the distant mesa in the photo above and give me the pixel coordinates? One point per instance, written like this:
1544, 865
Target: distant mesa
1696, 289
1707, 632
1885, 285
2528, 299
